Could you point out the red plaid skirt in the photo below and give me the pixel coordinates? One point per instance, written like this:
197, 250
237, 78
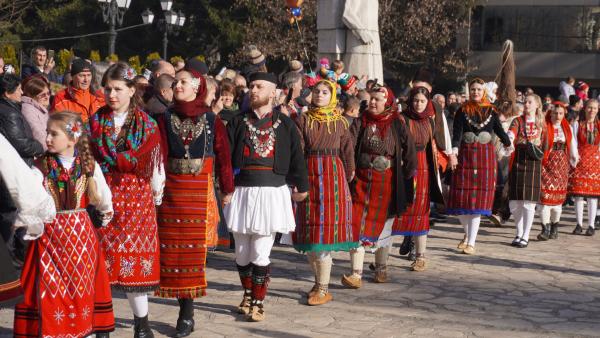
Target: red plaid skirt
474, 180
324, 220
415, 219
371, 197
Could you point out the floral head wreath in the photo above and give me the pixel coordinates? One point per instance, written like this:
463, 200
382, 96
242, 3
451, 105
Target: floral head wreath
74, 129
129, 74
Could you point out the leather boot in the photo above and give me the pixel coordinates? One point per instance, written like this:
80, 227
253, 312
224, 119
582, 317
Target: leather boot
185, 322
554, 231
412, 255
545, 233
141, 328
578, 230
102, 335
405, 246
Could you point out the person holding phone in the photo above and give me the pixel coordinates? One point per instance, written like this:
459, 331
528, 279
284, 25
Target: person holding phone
42, 62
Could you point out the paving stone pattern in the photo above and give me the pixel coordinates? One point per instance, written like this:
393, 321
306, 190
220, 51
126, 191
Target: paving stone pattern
550, 289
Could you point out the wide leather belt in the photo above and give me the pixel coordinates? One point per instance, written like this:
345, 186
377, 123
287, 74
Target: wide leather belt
184, 166
483, 138
379, 163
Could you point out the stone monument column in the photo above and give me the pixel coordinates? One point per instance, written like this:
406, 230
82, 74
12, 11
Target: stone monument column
331, 31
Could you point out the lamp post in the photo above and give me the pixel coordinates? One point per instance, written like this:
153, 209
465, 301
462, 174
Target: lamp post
113, 12
170, 23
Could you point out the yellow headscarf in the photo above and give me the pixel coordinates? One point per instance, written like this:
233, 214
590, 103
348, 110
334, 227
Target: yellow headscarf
329, 113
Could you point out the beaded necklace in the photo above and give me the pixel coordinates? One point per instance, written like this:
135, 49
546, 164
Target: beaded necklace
262, 147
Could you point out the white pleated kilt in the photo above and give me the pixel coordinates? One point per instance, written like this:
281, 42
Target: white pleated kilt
260, 211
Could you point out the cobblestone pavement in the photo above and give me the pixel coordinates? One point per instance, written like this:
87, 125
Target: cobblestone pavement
550, 289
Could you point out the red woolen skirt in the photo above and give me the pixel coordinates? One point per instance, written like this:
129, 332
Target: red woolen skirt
187, 213
555, 176
67, 291
585, 179
415, 219
371, 197
474, 180
324, 220
130, 240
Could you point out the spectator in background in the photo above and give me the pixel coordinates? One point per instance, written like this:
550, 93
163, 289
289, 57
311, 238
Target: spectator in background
451, 98
40, 64
441, 100
520, 98
582, 90
34, 106
351, 108
1, 65
81, 95
162, 96
292, 86
179, 65
161, 67
574, 109
230, 107
566, 89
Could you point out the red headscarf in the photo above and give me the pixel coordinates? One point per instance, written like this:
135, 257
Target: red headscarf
196, 107
385, 119
429, 109
550, 134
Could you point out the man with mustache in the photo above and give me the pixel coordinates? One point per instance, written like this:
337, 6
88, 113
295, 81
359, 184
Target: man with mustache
266, 157
80, 96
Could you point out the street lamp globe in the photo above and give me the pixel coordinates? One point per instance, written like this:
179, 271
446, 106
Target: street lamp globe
124, 3
181, 19
171, 18
166, 5
147, 16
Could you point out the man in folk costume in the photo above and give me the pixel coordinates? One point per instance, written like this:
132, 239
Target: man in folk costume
266, 157
194, 139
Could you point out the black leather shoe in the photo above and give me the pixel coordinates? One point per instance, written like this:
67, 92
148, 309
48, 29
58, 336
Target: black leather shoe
516, 241
590, 231
553, 231
522, 244
405, 246
412, 255
102, 335
141, 328
184, 327
578, 230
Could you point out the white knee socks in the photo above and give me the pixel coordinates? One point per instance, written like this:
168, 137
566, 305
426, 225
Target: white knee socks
420, 244
579, 210
381, 255
138, 303
592, 207
528, 216
357, 258
517, 212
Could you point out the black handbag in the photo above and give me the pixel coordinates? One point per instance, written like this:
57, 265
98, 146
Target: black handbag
534, 152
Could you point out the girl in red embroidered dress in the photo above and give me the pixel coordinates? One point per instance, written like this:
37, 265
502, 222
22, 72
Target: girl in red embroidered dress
126, 143
555, 169
584, 181
67, 292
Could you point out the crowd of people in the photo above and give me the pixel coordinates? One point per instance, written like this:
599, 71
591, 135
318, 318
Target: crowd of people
124, 181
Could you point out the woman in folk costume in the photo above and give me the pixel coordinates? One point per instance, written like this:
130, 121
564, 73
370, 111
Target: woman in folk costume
584, 180
194, 140
67, 290
419, 120
525, 179
126, 143
324, 220
474, 178
386, 161
35, 207
555, 169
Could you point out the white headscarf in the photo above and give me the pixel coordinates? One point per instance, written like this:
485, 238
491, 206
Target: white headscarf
490, 88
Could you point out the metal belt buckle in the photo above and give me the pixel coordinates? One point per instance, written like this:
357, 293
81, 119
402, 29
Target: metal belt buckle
381, 163
469, 137
485, 137
185, 166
